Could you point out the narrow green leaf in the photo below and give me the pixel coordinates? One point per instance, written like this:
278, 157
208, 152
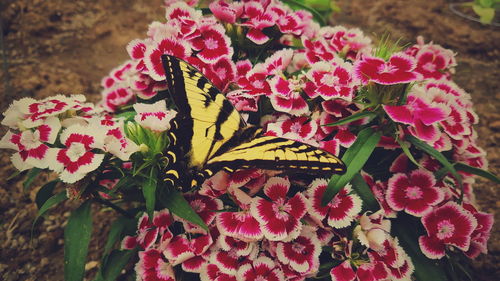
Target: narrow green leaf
354, 158
127, 115
76, 242
408, 230
476, 171
52, 201
44, 193
407, 152
30, 177
116, 261
115, 232
365, 193
486, 15
15, 174
437, 155
352, 118
149, 191
176, 203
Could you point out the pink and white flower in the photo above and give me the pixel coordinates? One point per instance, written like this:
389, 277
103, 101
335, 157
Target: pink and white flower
448, 225
213, 44
182, 248
481, 234
397, 263
279, 218
212, 272
243, 101
258, 19
154, 116
295, 128
331, 80
148, 231
301, 253
286, 98
373, 230
77, 159
154, 51
153, 266
262, 268
340, 211
416, 193
31, 145
226, 12
230, 253
398, 69
205, 207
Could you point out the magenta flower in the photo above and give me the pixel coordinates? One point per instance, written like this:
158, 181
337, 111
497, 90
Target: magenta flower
317, 51
154, 116
351, 42
340, 211
331, 80
301, 253
212, 272
154, 51
31, 145
205, 207
398, 69
397, 263
294, 128
421, 114
153, 266
279, 218
448, 225
343, 272
286, 98
243, 101
77, 159
481, 234
433, 61
148, 232
212, 44
230, 253
258, 19
115, 97
241, 225
373, 271
182, 248
261, 268
416, 193
226, 12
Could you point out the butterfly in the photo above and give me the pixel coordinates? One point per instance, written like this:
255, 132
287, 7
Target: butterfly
208, 134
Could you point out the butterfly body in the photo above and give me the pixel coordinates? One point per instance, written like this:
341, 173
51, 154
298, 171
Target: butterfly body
208, 135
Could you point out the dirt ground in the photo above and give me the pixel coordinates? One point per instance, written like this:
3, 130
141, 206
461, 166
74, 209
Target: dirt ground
66, 47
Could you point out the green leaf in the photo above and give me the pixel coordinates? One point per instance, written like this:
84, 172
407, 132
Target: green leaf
486, 14
44, 193
76, 242
149, 191
354, 158
408, 230
30, 177
127, 115
115, 232
297, 5
54, 200
437, 155
352, 118
15, 174
116, 261
176, 203
365, 193
476, 171
407, 152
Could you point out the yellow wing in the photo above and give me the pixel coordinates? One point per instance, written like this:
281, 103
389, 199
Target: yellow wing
268, 152
209, 119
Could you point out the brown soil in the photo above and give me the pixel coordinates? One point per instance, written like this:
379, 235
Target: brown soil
61, 46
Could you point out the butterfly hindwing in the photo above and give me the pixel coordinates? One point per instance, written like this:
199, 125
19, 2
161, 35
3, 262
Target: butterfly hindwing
209, 118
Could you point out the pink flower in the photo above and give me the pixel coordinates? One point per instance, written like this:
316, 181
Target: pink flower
148, 232
205, 207
77, 159
421, 114
433, 61
398, 69
243, 101
379, 189
154, 116
262, 268
343, 272
212, 272
416, 194
317, 51
182, 248
115, 97
253, 80
397, 263
373, 271
152, 266
241, 225
226, 12
230, 253
221, 73
295, 128
481, 234
154, 51
373, 230
278, 61
332, 80
286, 98
31, 145
279, 218
340, 211
301, 253
350, 42
258, 19
449, 224
212, 44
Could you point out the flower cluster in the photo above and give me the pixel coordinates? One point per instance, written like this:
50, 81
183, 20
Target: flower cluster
324, 86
